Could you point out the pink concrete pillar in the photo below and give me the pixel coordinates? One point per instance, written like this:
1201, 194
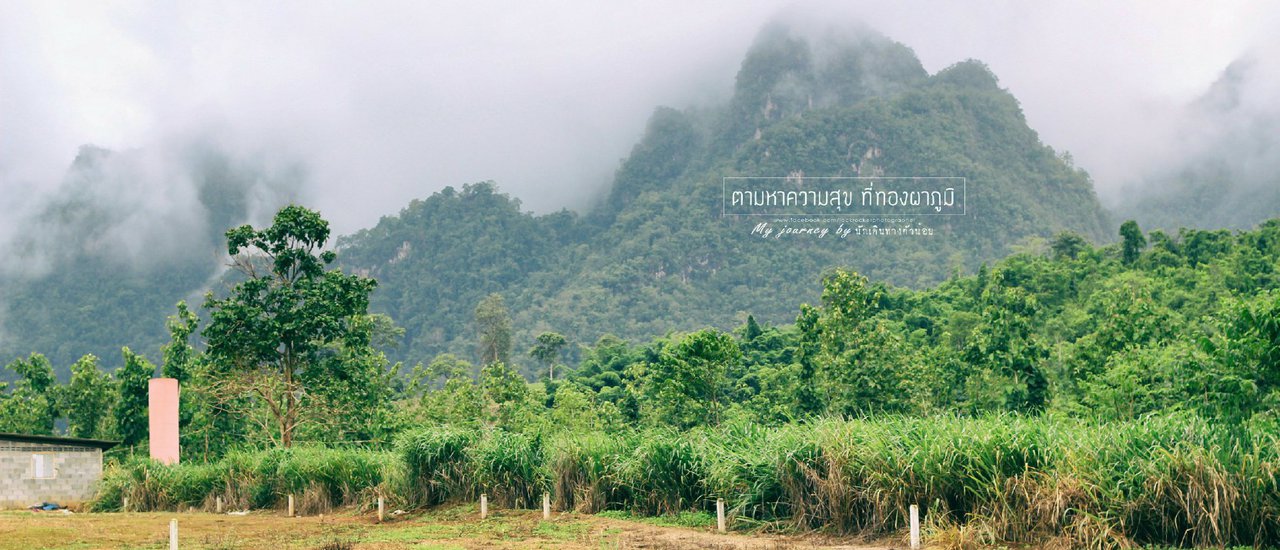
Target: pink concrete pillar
162, 418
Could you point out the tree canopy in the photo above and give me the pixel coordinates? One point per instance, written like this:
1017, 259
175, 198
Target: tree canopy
274, 327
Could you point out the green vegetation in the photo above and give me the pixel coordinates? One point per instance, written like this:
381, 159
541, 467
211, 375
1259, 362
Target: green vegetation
320, 478
652, 256
656, 256
291, 332
88, 272
1176, 480
1045, 398
1075, 392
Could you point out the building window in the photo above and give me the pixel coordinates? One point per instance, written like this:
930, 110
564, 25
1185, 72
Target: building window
42, 466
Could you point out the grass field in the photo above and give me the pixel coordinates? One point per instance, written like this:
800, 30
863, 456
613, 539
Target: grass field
1174, 481
451, 527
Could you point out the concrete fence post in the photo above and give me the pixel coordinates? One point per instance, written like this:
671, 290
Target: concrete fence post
381, 508
915, 527
484, 506
124, 505
720, 524
173, 534
546, 505
290, 505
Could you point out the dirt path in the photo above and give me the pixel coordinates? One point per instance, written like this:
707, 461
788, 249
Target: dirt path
638, 535
445, 528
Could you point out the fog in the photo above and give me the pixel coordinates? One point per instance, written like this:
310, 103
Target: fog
383, 102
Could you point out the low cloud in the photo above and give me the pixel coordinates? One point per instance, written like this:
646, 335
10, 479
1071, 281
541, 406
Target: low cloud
370, 106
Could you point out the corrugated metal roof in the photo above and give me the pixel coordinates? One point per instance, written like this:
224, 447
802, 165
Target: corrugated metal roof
58, 440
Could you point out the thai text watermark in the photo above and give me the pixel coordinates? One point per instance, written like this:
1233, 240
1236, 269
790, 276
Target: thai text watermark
876, 197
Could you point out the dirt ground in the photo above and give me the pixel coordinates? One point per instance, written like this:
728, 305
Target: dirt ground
446, 528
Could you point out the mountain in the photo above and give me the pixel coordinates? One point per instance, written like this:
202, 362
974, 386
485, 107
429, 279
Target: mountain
656, 255
100, 263
1227, 171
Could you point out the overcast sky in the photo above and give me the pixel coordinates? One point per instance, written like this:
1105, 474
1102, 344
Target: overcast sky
389, 101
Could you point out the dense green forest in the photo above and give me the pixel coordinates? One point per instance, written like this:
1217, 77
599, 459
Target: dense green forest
654, 255
649, 356
1059, 369
1027, 375
1155, 322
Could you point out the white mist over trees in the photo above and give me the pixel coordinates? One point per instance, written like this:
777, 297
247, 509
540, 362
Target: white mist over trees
206, 117
544, 100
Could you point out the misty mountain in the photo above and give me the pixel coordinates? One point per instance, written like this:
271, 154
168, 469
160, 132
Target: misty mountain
100, 263
655, 255
1226, 173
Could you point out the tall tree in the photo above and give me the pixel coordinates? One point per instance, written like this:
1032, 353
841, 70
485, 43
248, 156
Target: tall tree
1067, 245
505, 392
180, 363
808, 399
753, 329
130, 409
85, 398
1006, 345
1242, 374
178, 353
546, 350
32, 407
862, 357
688, 383
449, 393
493, 323
350, 387
290, 309
1132, 242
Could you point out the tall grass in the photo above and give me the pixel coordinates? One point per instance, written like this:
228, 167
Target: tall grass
1167, 480
665, 473
586, 470
510, 468
320, 478
436, 460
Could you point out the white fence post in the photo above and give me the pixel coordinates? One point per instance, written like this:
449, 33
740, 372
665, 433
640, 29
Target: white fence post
720, 515
484, 506
290, 505
173, 534
217, 501
381, 508
546, 505
915, 526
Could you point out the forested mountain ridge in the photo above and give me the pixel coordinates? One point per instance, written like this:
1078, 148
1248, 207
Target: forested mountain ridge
656, 256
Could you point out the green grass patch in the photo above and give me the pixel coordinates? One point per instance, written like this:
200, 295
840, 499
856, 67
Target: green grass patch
695, 520
562, 530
